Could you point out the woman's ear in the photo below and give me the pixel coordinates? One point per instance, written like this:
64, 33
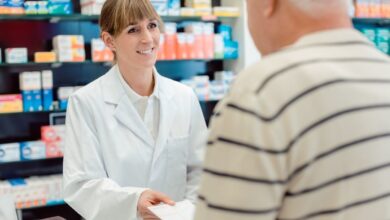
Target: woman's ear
108, 40
269, 7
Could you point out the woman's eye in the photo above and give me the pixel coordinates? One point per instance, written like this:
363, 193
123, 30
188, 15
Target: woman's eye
152, 25
132, 30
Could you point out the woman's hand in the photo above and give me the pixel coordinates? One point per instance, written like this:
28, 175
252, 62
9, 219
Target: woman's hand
151, 198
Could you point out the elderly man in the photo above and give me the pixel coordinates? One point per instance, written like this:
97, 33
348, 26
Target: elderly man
305, 132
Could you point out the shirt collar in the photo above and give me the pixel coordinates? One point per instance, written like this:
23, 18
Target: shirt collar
135, 97
340, 35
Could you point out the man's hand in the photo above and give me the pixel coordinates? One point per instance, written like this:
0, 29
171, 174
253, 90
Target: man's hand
151, 198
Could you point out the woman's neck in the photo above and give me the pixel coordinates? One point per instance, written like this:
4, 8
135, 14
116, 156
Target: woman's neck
140, 80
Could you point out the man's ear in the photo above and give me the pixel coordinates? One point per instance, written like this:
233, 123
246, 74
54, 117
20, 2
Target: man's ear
108, 40
269, 7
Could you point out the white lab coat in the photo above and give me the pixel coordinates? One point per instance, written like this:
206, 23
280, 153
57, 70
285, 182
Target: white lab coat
111, 157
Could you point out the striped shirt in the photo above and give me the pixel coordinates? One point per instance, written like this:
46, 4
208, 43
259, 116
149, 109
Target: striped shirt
304, 134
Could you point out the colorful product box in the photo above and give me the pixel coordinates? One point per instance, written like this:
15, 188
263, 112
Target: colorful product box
60, 6
100, 52
219, 46
174, 7
91, 7
47, 90
45, 57
9, 152
182, 48
69, 48
226, 31
161, 6
208, 40
11, 103
32, 150
63, 94
196, 28
30, 85
16, 55
198, 3
226, 11
231, 50
170, 41
54, 137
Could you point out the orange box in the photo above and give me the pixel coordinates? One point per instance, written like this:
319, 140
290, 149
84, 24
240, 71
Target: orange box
45, 57
11, 103
161, 49
170, 46
190, 42
182, 48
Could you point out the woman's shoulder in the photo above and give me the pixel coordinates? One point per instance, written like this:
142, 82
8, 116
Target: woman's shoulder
174, 87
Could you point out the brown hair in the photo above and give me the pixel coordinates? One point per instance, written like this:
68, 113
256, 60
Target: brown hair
118, 14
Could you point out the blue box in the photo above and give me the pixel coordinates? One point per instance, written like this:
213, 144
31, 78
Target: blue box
63, 104
32, 150
37, 100
231, 50
15, 3
47, 99
27, 97
226, 31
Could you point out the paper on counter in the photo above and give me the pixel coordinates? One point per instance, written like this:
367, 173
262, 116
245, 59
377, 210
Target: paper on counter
183, 210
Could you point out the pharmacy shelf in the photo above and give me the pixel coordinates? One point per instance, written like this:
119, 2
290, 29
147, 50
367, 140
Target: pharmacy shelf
59, 64
23, 169
22, 126
48, 204
372, 21
94, 18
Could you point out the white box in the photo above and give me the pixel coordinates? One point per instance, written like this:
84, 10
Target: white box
9, 152
16, 55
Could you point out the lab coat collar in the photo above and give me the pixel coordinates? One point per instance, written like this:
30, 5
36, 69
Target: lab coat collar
124, 112
113, 92
135, 97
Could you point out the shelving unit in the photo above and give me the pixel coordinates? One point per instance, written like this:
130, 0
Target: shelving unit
36, 32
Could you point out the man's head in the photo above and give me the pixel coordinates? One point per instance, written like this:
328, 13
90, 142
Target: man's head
277, 23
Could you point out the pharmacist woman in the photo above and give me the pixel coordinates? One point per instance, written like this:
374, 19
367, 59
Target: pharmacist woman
134, 138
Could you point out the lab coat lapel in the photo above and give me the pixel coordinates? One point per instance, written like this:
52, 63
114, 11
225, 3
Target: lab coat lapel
124, 111
168, 110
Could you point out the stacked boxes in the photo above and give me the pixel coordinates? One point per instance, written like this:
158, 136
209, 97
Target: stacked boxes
372, 8
53, 137
47, 90
197, 42
30, 85
69, 48
37, 90
100, 52
211, 90
33, 191
379, 36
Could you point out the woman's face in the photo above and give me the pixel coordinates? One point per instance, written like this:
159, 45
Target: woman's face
137, 45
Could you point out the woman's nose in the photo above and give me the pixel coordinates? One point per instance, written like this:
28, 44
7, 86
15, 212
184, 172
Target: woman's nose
146, 36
